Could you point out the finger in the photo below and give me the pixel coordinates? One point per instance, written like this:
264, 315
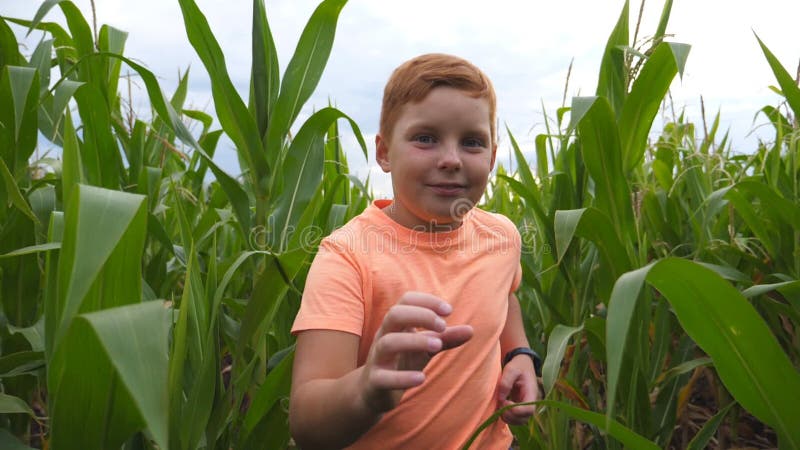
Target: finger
385, 379
523, 412
528, 391
404, 317
514, 420
518, 415
507, 380
393, 344
455, 336
426, 300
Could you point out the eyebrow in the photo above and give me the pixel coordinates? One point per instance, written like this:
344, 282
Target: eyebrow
427, 127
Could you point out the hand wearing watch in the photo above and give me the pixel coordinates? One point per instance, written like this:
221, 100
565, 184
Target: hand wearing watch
537, 360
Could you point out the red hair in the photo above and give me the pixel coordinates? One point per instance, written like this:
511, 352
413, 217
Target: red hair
413, 80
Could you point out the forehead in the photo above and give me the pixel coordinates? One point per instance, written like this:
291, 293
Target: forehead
447, 105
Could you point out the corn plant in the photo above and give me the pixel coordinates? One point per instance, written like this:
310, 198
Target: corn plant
713, 234
137, 295
143, 298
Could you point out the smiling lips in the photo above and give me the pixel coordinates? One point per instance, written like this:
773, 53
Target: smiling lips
448, 189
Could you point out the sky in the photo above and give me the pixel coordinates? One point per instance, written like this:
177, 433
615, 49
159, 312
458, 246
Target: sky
524, 46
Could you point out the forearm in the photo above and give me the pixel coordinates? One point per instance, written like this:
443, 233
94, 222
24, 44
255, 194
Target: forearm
330, 413
513, 334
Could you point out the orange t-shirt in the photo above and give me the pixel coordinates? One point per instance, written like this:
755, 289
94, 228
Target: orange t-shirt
363, 268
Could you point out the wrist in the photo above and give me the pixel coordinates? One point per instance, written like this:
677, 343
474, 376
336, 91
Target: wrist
525, 352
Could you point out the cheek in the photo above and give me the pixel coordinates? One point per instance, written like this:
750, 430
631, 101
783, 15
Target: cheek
481, 165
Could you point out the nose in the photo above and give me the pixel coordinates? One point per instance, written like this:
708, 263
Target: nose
450, 157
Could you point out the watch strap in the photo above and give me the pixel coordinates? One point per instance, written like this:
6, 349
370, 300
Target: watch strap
537, 360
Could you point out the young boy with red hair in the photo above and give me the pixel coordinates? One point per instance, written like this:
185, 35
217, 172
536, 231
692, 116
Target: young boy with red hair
409, 335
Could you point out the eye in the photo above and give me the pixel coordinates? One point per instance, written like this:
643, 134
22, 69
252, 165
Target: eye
424, 139
473, 142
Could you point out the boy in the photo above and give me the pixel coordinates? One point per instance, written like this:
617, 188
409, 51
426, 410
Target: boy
377, 366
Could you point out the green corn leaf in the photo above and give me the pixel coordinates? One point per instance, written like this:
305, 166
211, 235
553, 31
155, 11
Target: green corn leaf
33, 249
9, 442
303, 169
302, 75
682, 368
591, 224
524, 170
613, 81
270, 290
192, 362
200, 116
701, 439
111, 40
627, 437
726, 272
100, 154
41, 60
13, 194
234, 191
103, 241
788, 85
233, 115
265, 73
335, 160
51, 122
114, 364
21, 363
556, 346
623, 304
72, 167
95, 71
646, 94
755, 291
9, 48
266, 397
61, 37
55, 233
663, 21
779, 209
44, 8
19, 93
34, 334
14, 405
179, 96
316, 220
43, 202
541, 159
529, 195
754, 220
20, 276
782, 125
602, 154
746, 355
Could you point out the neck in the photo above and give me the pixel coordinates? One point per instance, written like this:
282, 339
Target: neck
431, 226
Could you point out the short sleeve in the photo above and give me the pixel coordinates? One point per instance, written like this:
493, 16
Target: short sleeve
333, 296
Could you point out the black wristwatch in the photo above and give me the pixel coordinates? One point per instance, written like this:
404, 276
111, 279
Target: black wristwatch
537, 360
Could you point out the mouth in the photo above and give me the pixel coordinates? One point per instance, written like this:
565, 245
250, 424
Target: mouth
447, 188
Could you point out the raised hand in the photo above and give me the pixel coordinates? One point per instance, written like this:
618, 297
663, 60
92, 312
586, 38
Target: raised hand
412, 332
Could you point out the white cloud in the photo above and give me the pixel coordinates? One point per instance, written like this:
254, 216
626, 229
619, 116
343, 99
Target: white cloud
524, 46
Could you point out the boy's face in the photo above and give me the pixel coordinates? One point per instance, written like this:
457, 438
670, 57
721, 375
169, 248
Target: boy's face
440, 153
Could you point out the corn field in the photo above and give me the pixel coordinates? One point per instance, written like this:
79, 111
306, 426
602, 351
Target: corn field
147, 295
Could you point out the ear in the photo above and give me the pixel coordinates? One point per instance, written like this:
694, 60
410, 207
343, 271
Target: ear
494, 156
382, 153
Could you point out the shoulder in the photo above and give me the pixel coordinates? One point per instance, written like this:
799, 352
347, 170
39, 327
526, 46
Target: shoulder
355, 237
497, 222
